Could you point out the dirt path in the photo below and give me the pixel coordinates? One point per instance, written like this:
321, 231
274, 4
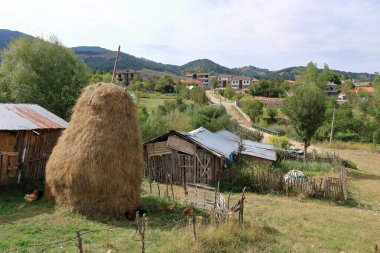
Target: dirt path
235, 114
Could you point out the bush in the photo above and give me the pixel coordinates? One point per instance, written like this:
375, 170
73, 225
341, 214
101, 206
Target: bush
279, 141
213, 118
347, 136
253, 108
253, 135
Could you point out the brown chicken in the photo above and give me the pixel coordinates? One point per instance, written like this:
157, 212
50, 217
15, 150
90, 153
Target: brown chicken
187, 211
171, 208
36, 195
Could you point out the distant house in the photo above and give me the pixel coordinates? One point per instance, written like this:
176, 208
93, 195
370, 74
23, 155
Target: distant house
224, 80
126, 76
199, 156
202, 77
331, 89
363, 92
240, 82
28, 134
237, 82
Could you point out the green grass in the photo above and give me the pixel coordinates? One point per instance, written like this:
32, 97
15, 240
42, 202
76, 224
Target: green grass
308, 168
273, 223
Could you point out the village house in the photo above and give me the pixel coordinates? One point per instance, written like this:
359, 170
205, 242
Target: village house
363, 92
199, 156
28, 134
236, 82
331, 89
202, 77
126, 76
240, 82
224, 80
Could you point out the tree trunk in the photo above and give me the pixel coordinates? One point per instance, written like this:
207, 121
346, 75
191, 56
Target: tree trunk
304, 151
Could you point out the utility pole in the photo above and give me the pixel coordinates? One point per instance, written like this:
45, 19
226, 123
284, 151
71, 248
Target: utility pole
332, 127
115, 65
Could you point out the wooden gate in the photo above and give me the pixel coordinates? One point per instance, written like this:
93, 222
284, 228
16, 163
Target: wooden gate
181, 168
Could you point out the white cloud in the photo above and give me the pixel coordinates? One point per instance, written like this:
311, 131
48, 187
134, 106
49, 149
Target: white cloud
265, 33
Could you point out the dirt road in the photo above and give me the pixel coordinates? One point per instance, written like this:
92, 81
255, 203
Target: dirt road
244, 122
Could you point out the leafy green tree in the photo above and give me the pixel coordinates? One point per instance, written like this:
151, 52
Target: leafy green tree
305, 110
376, 80
229, 92
214, 82
43, 72
310, 74
137, 85
149, 85
327, 75
272, 113
347, 85
198, 95
253, 108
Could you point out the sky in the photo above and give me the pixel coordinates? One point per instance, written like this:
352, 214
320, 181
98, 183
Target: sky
271, 34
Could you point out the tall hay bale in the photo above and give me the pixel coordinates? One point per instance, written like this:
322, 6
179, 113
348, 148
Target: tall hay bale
97, 165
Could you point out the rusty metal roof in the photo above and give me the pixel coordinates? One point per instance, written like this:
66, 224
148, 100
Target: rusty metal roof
28, 117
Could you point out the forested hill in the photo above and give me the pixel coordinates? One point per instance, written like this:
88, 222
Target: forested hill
101, 58
7, 35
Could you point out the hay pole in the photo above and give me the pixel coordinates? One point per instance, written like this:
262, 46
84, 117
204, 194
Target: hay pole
115, 65
79, 244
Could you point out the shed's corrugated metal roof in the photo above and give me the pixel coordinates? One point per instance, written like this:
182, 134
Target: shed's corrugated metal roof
225, 143
28, 117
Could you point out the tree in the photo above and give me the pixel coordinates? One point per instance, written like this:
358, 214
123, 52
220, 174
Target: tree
272, 113
310, 74
327, 75
43, 72
305, 110
214, 82
376, 80
253, 108
229, 92
198, 95
213, 118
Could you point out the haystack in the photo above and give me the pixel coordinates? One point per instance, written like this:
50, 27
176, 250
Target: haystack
97, 165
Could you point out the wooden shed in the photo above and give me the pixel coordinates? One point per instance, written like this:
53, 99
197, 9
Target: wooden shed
198, 156
28, 134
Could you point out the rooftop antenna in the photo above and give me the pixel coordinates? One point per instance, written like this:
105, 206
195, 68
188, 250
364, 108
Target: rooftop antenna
115, 65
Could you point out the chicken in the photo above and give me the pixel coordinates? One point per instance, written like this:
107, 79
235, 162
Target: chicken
36, 195
131, 215
171, 208
187, 211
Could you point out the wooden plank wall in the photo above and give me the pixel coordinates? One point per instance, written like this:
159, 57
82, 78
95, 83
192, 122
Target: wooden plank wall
33, 151
183, 168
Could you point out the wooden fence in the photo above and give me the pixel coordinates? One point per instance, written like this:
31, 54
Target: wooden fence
266, 180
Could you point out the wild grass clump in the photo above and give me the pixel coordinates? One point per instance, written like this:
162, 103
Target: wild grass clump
225, 237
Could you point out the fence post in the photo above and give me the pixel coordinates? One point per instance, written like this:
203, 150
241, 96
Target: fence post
193, 223
376, 249
158, 187
343, 181
141, 228
79, 240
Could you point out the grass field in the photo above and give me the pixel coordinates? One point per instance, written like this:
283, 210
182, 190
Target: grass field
274, 223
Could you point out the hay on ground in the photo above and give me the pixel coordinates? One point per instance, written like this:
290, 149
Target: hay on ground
97, 165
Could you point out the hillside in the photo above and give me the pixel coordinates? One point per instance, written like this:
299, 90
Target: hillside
100, 58
7, 35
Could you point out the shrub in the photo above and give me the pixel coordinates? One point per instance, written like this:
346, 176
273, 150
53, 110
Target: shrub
253, 108
279, 141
